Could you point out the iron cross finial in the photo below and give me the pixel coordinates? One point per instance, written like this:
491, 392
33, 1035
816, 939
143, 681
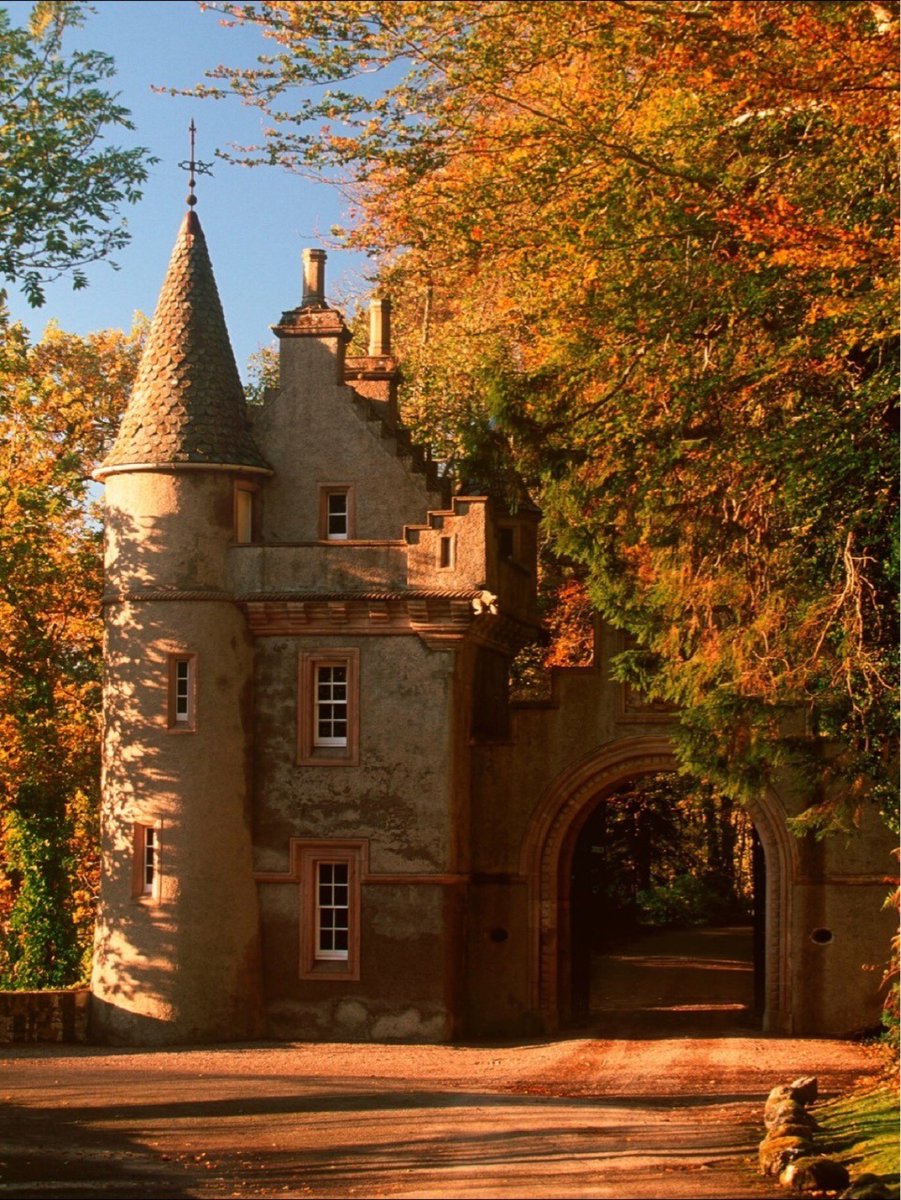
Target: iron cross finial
194, 167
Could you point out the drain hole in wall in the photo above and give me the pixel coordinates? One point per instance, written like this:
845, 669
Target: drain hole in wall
822, 937
498, 935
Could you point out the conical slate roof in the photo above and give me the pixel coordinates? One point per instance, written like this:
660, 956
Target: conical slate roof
187, 405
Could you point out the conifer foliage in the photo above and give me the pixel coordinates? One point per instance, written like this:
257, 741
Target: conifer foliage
661, 236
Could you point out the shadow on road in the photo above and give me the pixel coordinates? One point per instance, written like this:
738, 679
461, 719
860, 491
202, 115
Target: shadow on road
675, 983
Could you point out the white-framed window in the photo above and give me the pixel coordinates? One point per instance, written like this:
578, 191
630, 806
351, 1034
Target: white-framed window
328, 709
150, 860
336, 516
336, 512
330, 704
332, 911
182, 689
330, 874
147, 848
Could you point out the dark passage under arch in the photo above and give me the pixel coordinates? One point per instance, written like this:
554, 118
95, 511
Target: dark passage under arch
666, 895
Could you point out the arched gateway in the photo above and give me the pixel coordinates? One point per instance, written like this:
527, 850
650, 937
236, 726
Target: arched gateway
321, 817
547, 853
824, 936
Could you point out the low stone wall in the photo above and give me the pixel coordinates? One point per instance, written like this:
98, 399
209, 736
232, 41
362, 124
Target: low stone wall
51, 1016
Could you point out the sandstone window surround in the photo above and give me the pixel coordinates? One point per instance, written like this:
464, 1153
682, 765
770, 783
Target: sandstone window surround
328, 707
146, 856
181, 692
337, 512
330, 873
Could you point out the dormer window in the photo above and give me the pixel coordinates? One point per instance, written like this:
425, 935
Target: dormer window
336, 513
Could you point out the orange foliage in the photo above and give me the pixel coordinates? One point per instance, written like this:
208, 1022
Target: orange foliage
59, 404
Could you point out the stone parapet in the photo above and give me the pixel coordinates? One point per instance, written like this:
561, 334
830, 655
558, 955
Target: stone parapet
49, 1016
316, 567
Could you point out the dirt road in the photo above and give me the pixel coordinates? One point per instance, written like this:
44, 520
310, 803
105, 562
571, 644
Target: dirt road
630, 1114
658, 1118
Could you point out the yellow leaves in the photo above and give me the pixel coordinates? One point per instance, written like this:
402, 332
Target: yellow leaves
570, 623
663, 241
59, 400
46, 17
825, 308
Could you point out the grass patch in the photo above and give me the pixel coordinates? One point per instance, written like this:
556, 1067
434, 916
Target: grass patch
862, 1130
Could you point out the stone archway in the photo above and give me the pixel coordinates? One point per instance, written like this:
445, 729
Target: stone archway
547, 850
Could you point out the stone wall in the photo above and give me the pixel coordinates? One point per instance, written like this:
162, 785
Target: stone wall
52, 1016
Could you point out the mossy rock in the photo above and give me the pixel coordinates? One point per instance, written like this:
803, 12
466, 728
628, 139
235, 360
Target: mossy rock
775, 1154
815, 1175
788, 1112
870, 1187
804, 1089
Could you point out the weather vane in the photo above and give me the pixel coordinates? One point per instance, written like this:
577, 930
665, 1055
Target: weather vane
194, 167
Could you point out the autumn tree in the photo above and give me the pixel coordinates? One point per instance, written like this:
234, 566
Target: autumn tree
661, 240
665, 850
63, 184
59, 405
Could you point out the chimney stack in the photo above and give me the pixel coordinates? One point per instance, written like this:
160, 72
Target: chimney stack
313, 279
379, 327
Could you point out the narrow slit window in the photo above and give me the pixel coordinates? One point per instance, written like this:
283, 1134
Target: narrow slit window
146, 862
181, 691
445, 551
506, 542
330, 715
337, 522
243, 515
150, 861
332, 911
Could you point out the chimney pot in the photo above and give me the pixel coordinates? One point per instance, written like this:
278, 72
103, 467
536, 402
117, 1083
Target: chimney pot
313, 278
379, 326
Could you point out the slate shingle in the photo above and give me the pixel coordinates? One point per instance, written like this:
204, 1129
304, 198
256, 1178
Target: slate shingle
187, 404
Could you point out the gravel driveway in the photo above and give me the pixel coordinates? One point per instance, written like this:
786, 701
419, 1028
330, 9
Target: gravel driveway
638, 1112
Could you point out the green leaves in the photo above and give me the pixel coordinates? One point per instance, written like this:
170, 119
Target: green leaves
62, 184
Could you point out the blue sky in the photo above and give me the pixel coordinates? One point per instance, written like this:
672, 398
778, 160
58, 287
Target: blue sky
256, 221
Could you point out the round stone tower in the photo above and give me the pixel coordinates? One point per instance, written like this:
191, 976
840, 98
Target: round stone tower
177, 955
